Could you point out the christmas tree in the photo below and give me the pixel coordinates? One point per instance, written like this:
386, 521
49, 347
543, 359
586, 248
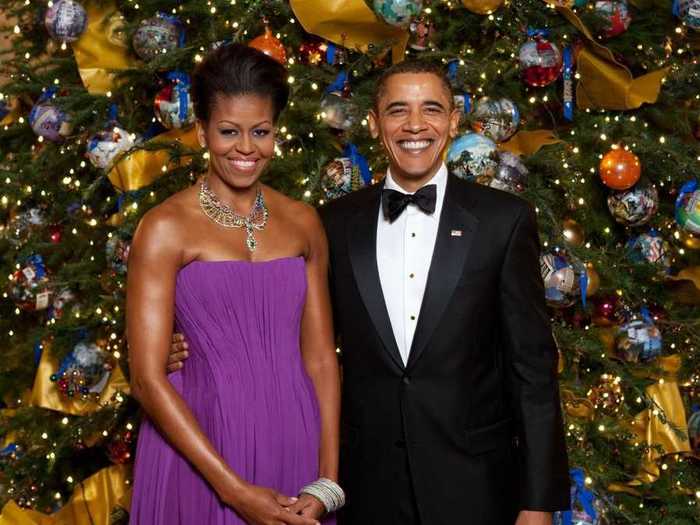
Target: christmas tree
588, 109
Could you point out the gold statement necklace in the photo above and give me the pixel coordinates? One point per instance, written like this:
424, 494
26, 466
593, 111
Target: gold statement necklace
224, 215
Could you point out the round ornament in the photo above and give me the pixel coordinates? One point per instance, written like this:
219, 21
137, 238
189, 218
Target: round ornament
620, 169
84, 372
634, 206
49, 122
607, 309
65, 20
270, 45
107, 145
616, 14
638, 341
573, 233
340, 177
28, 222
482, 7
511, 173
60, 301
694, 430
690, 241
689, 12
173, 104
397, 12
498, 119
540, 61
117, 252
156, 35
607, 395
688, 207
55, 234
564, 278
473, 156
119, 447
593, 280
338, 111
30, 287
650, 247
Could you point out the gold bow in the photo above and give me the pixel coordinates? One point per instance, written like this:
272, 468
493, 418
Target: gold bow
102, 48
91, 503
142, 167
46, 395
672, 434
349, 23
605, 83
529, 142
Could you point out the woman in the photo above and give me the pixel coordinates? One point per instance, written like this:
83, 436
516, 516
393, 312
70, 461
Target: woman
241, 270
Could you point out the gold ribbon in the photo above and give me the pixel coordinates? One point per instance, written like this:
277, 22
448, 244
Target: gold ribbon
578, 407
91, 503
671, 435
349, 23
45, 394
14, 113
529, 142
605, 83
686, 286
142, 167
102, 48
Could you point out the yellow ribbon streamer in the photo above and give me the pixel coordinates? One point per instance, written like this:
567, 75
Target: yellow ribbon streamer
686, 286
651, 430
349, 23
529, 142
482, 7
605, 83
102, 48
91, 503
45, 394
142, 167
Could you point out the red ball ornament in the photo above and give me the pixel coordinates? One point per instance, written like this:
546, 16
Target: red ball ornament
620, 169
606, 310
540, 61
270, 45
56, 233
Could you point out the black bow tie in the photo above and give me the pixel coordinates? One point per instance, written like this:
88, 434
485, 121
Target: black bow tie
394, 202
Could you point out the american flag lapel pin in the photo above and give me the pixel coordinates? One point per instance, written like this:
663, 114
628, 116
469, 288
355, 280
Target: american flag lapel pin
456, 233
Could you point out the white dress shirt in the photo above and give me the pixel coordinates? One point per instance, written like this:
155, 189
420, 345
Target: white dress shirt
404, 252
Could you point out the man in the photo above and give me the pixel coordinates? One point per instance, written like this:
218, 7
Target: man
451, 411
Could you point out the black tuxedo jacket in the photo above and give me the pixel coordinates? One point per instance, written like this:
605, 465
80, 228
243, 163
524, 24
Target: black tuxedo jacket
476, 410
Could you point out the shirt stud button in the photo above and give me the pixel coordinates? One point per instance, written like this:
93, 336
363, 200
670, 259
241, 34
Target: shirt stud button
413, 318
413, 235
412, 275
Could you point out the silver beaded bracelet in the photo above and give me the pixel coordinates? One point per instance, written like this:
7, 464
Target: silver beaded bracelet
328, 492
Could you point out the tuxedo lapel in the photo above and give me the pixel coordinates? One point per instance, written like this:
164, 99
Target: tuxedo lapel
456, 232
362, 236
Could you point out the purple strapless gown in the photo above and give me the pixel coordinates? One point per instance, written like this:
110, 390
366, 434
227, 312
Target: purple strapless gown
245, 383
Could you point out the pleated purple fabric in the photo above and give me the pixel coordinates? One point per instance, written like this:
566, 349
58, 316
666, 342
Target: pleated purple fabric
245, 383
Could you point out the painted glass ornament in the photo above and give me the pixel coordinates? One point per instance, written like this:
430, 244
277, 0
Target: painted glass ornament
498, 119
688, 207
473, 156
155, 35
65, 20
620, 169
397, 12
635, 206
540, 60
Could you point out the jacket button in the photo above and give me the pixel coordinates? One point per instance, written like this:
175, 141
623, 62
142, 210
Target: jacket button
406, 380
400, 443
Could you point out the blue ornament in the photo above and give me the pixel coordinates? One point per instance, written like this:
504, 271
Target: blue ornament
345, 174
650, 247
565, 279
65, 20
688, 207
587, 508
688, 11
638, 340
397, 12
473, 157
635, 206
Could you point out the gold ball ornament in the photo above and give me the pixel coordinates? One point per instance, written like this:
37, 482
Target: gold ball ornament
482, 7
690, 241
593, 280
620, 169
573, 233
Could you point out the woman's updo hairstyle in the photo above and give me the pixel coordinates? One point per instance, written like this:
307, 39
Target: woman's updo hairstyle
234, 70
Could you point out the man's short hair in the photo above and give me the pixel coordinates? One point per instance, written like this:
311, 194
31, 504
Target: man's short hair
412, 66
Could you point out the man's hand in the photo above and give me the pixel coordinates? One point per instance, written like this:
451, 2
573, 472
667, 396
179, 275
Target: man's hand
531, 517
178, 353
